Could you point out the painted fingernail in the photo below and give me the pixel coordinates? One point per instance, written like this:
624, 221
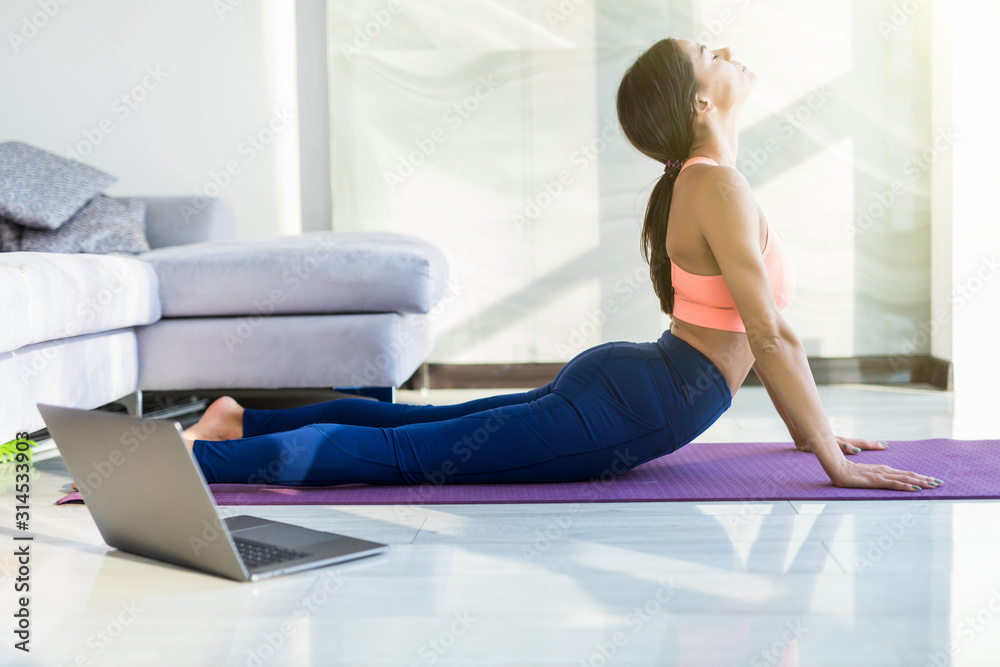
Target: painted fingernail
856, 449
881, 442
939, 481
915, 487
933, 483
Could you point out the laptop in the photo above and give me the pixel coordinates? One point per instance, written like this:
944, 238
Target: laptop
148, 496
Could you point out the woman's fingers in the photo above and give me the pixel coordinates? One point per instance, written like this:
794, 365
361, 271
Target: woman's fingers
910, 479
870, 444
855, 445
847, 447
869, 476
896, 483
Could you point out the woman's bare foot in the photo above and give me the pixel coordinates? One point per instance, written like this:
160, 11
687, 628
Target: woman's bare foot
223, 420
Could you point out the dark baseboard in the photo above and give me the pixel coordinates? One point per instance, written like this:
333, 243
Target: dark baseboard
482, 376
878, 369
940, 373
260, 399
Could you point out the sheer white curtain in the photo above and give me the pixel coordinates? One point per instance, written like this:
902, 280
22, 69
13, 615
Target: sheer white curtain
489, 129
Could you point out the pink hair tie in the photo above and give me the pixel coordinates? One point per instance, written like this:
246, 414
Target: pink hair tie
672, 167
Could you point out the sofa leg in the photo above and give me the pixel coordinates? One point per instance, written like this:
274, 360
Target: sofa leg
384, 394
133, 403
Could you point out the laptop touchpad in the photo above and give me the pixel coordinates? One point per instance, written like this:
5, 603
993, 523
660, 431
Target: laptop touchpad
284, 535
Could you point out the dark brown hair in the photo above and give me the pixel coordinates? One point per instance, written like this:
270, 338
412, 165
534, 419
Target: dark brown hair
656, 109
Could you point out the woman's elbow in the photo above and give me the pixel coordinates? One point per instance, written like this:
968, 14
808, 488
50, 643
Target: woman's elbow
770, 333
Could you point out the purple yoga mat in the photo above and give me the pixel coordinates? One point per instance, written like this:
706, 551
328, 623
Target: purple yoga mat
698, 471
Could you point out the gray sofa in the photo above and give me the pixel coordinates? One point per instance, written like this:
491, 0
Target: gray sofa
203, 310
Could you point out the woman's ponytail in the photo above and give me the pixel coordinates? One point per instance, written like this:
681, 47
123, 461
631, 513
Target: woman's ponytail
655, 104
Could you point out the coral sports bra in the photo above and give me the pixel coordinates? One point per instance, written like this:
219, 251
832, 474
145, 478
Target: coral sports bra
706, 301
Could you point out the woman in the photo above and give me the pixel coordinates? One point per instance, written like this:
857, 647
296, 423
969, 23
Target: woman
618, 404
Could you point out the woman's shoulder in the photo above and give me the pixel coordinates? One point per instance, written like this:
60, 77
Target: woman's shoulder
717, 193
718, 180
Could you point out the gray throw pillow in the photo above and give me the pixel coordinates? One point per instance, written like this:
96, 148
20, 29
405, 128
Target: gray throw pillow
43, 190
104, 225
10, 236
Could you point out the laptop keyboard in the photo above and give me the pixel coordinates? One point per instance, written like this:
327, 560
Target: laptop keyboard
258, 554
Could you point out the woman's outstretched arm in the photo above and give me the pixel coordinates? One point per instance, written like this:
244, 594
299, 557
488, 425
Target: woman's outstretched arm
849, 446
730, 222
793, 430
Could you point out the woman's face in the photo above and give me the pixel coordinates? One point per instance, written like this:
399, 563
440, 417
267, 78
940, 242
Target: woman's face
724, 81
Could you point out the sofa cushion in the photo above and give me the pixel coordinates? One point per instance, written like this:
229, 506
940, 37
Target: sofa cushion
314, 272
45, 296
104, 224
355, 350
43, 190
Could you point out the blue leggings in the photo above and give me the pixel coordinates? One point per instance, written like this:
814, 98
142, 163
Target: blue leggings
609, 409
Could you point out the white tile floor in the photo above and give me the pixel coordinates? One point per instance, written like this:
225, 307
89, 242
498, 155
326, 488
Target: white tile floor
701, 584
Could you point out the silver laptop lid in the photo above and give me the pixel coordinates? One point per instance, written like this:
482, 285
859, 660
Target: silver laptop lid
143, 487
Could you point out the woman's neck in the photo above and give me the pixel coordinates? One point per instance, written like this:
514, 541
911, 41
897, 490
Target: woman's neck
719, 142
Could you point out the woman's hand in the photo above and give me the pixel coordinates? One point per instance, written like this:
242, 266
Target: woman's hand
847, 445
867, 476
